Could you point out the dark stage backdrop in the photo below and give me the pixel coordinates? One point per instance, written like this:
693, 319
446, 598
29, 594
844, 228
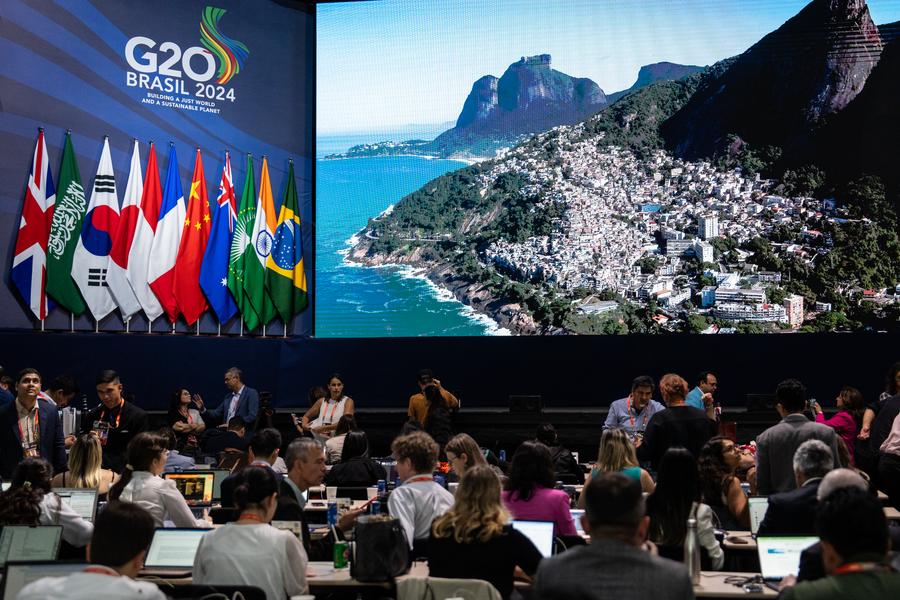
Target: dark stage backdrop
88, 66
569, 372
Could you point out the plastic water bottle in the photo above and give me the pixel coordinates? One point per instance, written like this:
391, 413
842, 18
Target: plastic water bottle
332, 514
503, 456
382, 489
692, 550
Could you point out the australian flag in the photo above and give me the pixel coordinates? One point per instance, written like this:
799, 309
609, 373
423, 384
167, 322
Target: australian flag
214, 270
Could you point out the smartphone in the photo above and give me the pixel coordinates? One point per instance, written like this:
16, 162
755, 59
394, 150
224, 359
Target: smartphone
295, 418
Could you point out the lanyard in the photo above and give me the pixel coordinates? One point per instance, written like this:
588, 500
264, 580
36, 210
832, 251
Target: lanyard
118, 417
860, 567
35, 429
631, 417
326, 418
419, 479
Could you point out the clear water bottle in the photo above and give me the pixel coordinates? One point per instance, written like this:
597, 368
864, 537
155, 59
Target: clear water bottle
692, 548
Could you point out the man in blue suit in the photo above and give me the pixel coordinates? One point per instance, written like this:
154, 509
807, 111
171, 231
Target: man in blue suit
241, 401
30, 427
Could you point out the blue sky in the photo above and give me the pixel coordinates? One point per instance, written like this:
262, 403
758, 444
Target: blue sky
384, 64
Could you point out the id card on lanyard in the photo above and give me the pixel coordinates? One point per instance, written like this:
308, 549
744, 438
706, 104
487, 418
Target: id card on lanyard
31, 445
101, 426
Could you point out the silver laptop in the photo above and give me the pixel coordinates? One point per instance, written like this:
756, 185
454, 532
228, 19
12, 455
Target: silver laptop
83, 501
22, 542
758, 507
779, 556
539, 532
577, 513
172, 551
20, 574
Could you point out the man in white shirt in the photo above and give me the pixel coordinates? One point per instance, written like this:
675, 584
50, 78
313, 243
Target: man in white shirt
122, 534
419, 500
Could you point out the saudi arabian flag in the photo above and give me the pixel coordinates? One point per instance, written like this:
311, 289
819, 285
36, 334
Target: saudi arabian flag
261, 246
285, 276
65, 229
241, 249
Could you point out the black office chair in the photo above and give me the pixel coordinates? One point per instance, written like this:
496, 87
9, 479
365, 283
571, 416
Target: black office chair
567, 542
249, 592
223, 514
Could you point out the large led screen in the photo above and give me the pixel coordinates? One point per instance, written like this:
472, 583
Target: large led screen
528, 167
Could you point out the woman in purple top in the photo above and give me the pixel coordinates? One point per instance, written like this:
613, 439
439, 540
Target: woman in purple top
847, 421
529, 493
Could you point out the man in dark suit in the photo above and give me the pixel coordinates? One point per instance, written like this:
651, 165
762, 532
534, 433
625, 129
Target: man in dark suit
116, 421
793, 512
774, 472
30, 427
305, 460
241, 401
614, 564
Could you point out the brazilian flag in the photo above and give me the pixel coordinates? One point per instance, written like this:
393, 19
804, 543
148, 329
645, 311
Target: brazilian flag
285, 276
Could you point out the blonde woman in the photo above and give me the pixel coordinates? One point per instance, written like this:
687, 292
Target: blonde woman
84, 471
474, 540
617, 455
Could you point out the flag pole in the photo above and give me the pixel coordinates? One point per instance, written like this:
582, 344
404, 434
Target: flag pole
96, 326
42, 325
173, 327
242, 327
149, 325
198, 326
71, 323
285, 328
127, 324
219, 331
264, 330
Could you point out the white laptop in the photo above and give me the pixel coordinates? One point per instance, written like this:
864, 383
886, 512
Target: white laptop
539, 532
779, 556
22, 542
83, 501
20, 574
758, 507
172, 551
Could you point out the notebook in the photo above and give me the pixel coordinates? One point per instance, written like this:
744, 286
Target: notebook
20, 574
758, 507
196, 486
83, 501
539, 532
21, 542
780, 556
172, 551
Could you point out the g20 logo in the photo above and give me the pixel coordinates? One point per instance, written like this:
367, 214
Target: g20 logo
163, 67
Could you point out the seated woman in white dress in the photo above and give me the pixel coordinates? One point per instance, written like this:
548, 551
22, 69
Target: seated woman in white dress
250, 551
323, 416
30, 501
141, 483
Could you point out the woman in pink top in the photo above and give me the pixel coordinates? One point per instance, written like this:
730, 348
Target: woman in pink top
846, 422
529, 493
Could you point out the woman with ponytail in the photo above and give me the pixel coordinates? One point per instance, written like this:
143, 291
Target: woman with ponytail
30, 501
141, 483
85, 459
250, 551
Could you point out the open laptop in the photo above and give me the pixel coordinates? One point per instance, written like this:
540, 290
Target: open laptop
758, 507
577, 513
779, 556
295, 527
539, 532
22, 542
83, 501
20, 574
196, 486
172, 552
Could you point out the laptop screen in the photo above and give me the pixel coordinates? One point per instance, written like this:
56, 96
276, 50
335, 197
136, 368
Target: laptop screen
576, 517
18, 575
780, 556
539, 532
21, 542
758, 507
5, 485
174, 548
82, 501
197, 488
218, 476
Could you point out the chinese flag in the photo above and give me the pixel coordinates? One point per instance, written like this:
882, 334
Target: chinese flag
188, 294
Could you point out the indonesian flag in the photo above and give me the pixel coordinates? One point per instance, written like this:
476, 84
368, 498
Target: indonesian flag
29, 270
91, 259
123, 238
194, 237
164, 251
138, 264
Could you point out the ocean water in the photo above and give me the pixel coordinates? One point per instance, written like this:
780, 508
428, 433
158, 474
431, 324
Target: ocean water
355, 301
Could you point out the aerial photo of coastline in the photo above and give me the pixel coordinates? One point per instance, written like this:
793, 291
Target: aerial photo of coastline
603, 167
